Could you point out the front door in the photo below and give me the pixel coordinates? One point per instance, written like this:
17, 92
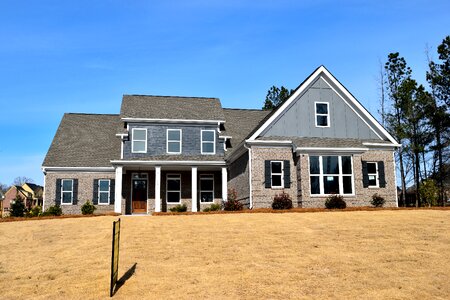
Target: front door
139, 196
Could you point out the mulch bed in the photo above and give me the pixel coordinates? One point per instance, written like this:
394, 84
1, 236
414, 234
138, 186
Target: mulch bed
16, 219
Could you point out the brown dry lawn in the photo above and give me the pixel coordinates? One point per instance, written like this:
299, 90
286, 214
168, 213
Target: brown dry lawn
364, 254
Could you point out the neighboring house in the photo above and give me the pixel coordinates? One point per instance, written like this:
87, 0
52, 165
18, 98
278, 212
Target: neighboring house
1, 203
163, 151
30, 193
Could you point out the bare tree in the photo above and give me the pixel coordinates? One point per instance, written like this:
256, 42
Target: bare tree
21, 180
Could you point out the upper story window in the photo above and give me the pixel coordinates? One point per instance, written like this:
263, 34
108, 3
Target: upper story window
139, 140
66, 191
276, 174
174, 141
322, 114
331, 175
372, 173
103, 191
208, 142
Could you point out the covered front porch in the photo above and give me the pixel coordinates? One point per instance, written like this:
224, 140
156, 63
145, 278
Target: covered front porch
145, 188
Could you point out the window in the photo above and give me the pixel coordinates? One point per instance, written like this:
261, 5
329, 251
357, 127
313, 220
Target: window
322, 114
331, 175
66, 191
139, 140
173, 188
174, 141
208, 142
103, 191
372, 173
206, 188
276, 174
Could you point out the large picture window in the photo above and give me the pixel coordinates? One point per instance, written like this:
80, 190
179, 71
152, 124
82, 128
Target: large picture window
173, 188
331, 175
66, 191
174, 141
206, 188
208, 142
103, 191
322, 114
139, 140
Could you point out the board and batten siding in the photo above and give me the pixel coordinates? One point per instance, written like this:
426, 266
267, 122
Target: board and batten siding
299, 119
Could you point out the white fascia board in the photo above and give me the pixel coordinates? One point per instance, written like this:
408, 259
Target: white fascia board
329, 150
146, 120
78, 169
225, 137
382, 145
121, 134
268, 142
168, 163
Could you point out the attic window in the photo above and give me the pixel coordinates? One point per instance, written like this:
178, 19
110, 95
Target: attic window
322, 114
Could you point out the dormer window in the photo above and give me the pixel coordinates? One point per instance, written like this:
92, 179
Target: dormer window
208, 142
139, 140
174, 141
322, 114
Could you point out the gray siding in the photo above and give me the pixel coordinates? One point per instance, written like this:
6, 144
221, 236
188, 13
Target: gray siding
299, 119
156, 140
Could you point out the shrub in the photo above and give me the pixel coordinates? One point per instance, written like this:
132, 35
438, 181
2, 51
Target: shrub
213, 207
54, 210
335, 202
232, 204
377, 200
282, 201
17, 208
429, 192
35, 212
179, 208
88, 208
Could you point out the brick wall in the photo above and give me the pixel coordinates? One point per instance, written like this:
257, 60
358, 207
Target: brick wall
261, 196
239, 180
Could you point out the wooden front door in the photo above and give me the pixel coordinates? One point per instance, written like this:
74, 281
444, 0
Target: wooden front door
139, 199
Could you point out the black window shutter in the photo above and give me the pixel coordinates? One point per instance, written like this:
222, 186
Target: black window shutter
365, 175
287, 174
95, 192
381, 175
268, 182
58, 192
112, 191
75, 192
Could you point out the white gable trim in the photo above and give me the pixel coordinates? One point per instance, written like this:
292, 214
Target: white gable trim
303, 87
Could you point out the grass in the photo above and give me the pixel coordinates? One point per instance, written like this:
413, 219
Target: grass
395, 254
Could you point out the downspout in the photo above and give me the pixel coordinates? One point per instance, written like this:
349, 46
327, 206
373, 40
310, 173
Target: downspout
250, 174
43, 190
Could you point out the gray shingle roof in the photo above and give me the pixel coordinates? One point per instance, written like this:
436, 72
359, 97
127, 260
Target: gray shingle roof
168, 107
325, 142
84, 140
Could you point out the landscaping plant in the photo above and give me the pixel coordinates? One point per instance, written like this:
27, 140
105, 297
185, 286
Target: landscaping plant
335, 202
17, 208
88, 208
377, 200
54, 210
232, 204
282, 201
213, 207
179, 208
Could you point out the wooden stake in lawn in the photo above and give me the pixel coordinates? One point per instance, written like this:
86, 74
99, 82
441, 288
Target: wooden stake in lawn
115, 256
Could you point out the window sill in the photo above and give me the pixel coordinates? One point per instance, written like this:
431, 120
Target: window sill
277, 188
63, 204
173, 202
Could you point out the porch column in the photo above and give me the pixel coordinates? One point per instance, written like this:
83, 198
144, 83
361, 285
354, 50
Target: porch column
118, 191
224, 184
194, 189
157, 188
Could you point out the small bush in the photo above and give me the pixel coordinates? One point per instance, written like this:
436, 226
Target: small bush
213, 207
232, 204
282, 201
88, 208
34, 212
377, 200
17, 208
54, 210
335, 202
179, 208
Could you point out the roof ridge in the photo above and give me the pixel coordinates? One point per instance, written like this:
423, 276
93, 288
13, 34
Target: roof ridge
162, 96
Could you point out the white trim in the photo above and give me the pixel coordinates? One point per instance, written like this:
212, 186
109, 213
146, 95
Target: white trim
250, 196
62, 192
270, 142
169, 162
79, 169
194, 189
172, 120
99, 192
325, 149
316, 114
132, 188
43, 193
376, 174
207, 177
303, 87
121, 149
133, 140
382, 145
225, 136
118, 190
174, 141
122, 135
278, 174
395, 178
175, 177
213, 142
157, 188
224, 184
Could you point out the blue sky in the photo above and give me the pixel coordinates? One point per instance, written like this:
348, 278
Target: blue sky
82, 56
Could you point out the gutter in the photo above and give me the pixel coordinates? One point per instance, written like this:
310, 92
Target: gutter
250, 175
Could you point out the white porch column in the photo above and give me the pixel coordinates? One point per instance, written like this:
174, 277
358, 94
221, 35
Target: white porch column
224, 184
157, 188
194, 189
118, 191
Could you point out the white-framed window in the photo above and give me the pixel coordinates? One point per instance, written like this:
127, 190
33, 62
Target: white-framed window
103, 191
206, 188
174, 138
66, 191
173, 188
372, 174
322, 114
276, 174
139, 140
331, 175
208, 140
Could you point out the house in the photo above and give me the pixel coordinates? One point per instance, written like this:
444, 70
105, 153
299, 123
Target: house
162, 151
30, 193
